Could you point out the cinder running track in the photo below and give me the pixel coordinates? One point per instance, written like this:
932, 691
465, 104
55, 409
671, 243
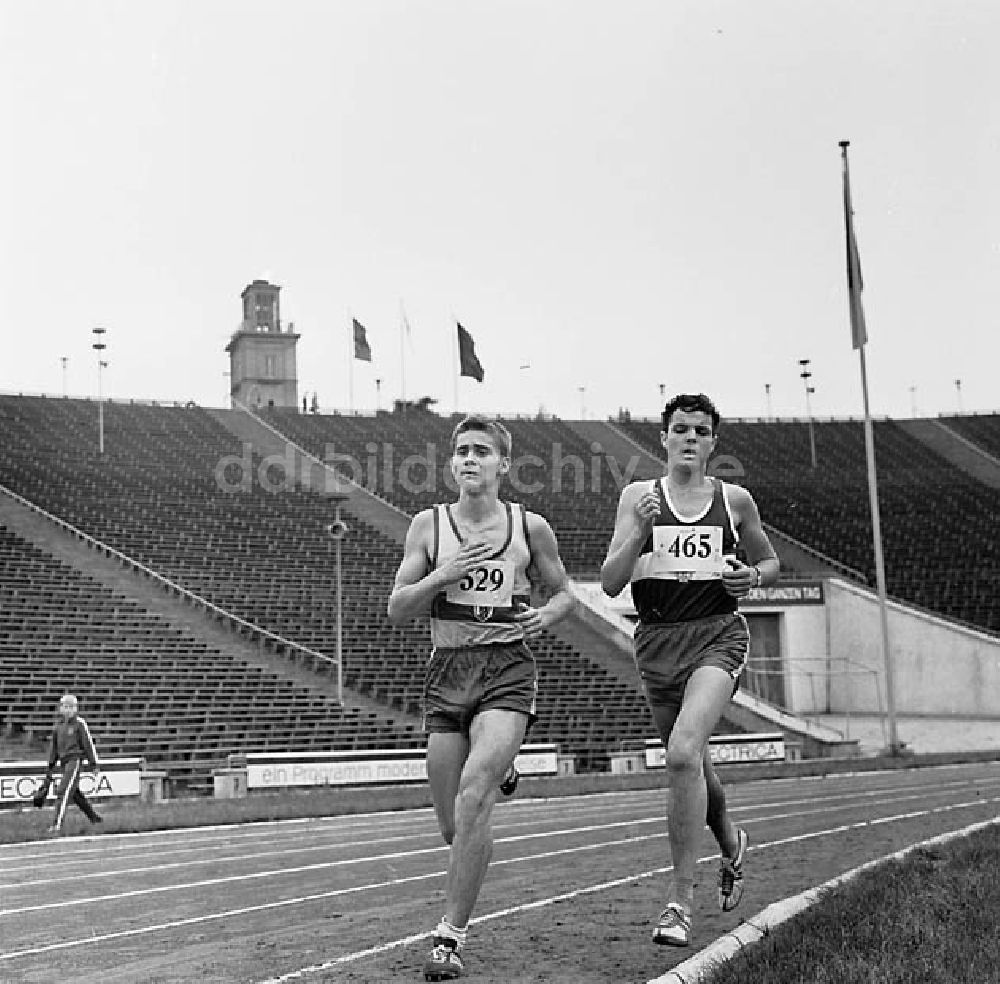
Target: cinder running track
571, 896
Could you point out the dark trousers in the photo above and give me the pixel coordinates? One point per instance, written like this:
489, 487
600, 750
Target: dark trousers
69, 789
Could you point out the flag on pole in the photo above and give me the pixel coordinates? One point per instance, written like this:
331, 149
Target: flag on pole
859, 330
362, 350
468, 362
859, 337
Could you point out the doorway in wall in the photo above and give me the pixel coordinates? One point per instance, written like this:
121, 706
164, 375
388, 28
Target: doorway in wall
764, 676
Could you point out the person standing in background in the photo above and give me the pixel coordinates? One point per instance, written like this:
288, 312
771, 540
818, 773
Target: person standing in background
70, 746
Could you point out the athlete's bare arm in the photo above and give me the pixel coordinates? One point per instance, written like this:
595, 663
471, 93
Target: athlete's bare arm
740, 578
638, 505
547, 567
416, 584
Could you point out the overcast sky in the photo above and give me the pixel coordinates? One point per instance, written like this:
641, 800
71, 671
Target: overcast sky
610, 196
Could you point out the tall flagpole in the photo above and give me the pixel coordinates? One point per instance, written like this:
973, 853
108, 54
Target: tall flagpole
859, 333
895, 747
454, 359
350, 364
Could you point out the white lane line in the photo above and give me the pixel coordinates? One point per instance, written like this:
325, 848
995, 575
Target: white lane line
98, 847
210, 847
77, 878
213, 860
333, 893
320, 866
591, 889
97, 844
540, 903
101, 846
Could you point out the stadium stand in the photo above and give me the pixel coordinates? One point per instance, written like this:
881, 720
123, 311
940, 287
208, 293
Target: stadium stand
937, 521
178, 493
150, 688
161, 495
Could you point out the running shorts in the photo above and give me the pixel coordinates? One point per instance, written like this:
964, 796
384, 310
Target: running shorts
667, 653
460, 683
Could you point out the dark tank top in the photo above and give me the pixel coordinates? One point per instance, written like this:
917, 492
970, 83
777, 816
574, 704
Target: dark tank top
677, 576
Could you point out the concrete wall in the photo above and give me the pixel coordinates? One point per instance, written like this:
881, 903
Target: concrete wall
938, 667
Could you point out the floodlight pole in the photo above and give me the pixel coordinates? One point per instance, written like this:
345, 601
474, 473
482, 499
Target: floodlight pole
340, 615
337, 530
99, 347
806, 376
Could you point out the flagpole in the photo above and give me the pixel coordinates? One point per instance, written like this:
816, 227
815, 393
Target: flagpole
890, 700
860, 336
454, 359
350, 365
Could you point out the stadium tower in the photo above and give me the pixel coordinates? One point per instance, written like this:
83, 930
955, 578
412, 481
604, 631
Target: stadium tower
261, 355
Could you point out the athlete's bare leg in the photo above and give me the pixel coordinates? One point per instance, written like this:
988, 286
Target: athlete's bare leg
446, 755
717, 813
708, 692
494, 739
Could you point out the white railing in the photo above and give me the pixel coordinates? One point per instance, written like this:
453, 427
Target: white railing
118, 401
819, 671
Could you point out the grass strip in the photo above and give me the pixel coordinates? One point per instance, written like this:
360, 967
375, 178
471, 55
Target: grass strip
929, 917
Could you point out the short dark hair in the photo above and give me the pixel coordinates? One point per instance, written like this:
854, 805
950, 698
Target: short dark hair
691, 403
488, 425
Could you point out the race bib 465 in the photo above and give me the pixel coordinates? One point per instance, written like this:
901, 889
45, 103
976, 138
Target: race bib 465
687, 552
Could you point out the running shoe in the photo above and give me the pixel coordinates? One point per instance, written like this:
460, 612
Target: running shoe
731, 874
509, 783
673, 928
444, 962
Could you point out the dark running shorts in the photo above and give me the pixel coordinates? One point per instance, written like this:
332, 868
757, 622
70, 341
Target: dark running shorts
459, 683
666, 654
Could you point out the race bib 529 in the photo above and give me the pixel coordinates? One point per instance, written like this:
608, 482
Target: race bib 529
491, 583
